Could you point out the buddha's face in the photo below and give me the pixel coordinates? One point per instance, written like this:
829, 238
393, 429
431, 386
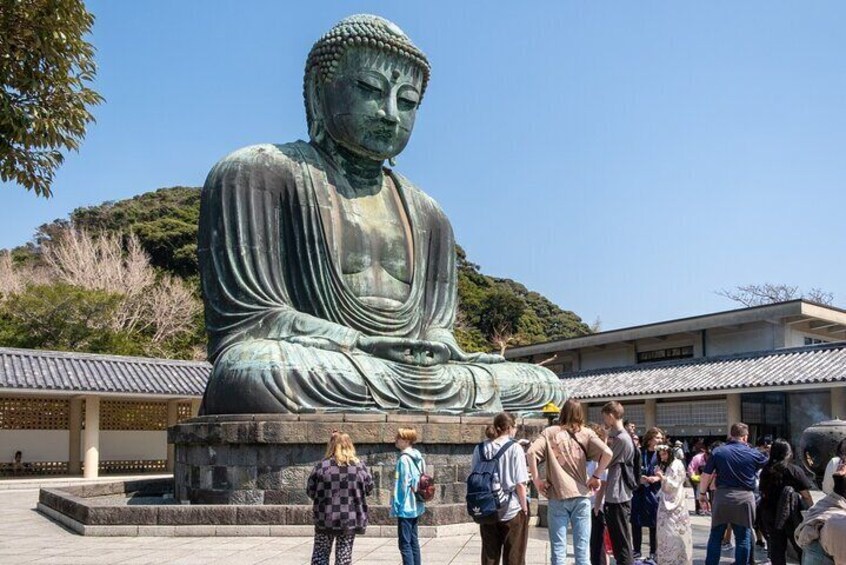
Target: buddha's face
370, 105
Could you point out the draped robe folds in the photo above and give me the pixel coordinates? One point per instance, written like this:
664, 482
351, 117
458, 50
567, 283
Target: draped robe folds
282, 324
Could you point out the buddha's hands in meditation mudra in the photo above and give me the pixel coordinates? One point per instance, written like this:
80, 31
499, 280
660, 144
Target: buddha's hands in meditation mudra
330, 281
420, 352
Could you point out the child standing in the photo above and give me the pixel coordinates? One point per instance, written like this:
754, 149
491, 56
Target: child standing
405, 506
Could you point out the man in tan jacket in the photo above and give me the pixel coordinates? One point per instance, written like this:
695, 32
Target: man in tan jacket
566, 449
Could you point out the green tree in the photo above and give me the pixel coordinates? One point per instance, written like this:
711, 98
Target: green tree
500, 317
45, 66
63, 317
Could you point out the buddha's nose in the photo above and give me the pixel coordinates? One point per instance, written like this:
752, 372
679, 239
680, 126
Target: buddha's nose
389, 112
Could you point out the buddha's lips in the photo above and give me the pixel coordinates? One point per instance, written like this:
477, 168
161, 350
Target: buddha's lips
383, 133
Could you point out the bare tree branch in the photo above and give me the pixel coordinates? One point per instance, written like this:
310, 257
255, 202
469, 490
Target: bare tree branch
769, 293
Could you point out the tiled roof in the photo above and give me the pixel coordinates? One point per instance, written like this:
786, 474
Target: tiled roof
813, 364
32, 369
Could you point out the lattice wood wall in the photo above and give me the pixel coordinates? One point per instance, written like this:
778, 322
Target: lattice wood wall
34, 414
139, 415
133, 415
54, 414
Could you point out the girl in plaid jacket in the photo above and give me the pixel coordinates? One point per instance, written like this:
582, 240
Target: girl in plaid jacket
338, 486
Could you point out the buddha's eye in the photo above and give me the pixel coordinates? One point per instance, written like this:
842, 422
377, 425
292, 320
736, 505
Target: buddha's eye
369, 87
406, 104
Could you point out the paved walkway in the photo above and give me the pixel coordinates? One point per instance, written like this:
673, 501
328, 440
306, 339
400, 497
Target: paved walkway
28, 537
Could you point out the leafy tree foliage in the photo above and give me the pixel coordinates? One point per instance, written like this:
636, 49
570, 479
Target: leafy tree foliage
45, 65
493, 312
165, 221
63, 317
496, 312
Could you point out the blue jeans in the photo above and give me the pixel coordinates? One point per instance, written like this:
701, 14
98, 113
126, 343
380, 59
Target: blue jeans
814, 555
561, 512
409, 543
742, 548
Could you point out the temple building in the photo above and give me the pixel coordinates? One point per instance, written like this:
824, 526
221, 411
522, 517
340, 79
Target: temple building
778, 367
80, 413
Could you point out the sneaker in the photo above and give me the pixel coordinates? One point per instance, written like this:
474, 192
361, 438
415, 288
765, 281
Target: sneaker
727, 546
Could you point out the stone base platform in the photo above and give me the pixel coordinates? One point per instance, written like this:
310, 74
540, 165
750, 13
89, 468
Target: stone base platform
246, 476
266, 459
146, 508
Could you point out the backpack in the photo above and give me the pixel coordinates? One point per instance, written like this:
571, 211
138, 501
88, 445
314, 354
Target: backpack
425, 485
484, 487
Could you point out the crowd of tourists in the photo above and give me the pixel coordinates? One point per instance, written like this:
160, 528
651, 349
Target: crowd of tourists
604, 484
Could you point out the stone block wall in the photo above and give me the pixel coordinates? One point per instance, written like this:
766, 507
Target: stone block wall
266, 459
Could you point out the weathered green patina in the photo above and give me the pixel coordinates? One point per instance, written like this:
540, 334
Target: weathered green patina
329, 279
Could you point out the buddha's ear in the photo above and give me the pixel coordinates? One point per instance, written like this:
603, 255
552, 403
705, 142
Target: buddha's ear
314, 106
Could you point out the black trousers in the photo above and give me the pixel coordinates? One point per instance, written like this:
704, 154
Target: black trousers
597, 539
637, 539
617, 520
777, 541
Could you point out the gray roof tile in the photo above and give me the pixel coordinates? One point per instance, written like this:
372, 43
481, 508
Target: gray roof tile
815, 364
32, 369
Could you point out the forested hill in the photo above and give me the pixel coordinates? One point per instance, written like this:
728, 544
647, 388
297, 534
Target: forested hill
493, 312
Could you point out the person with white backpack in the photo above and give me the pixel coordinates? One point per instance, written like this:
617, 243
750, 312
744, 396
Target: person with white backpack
496, 494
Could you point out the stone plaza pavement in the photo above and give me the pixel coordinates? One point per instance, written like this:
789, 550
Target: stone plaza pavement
28, 537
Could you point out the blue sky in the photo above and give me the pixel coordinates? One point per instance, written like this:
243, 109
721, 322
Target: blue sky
624, 159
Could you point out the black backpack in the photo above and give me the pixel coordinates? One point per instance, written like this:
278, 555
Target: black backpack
484, 487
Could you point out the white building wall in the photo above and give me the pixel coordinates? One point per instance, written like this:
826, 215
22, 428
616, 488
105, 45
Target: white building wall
35, 445
604, 358
53, 445
133, 445
759, 337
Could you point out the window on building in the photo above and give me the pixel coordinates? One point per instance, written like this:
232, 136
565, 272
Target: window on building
668, 354
814, 341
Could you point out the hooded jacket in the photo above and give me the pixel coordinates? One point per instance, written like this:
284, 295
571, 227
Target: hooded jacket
410, 465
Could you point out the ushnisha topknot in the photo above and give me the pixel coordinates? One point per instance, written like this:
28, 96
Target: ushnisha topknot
362, 30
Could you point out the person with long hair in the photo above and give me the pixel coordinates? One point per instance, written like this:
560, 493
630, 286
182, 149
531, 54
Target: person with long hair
674, 533
405, 505
566, 449
645, 497
507, 538
778, 517
338, 485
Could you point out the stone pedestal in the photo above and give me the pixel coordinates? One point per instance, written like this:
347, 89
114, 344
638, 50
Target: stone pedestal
266, 459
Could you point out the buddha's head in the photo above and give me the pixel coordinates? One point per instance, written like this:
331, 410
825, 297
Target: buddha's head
364, 81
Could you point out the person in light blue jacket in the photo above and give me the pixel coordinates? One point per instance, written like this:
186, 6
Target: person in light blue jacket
404, 504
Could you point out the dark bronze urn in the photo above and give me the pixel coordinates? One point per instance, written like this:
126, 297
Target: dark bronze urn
818, 445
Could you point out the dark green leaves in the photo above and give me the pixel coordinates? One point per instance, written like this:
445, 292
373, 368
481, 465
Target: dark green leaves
45, 67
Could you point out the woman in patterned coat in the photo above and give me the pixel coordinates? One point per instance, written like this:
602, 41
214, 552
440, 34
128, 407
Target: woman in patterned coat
338, 485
